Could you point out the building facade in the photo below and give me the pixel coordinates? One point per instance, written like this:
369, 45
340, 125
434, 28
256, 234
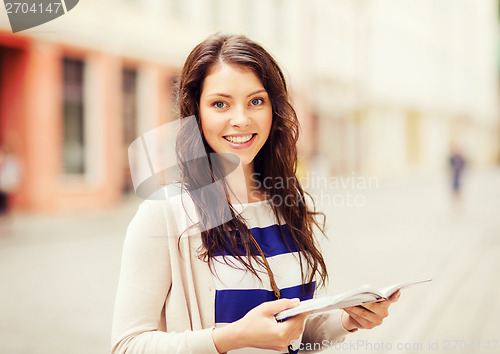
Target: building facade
380, 87
398, 85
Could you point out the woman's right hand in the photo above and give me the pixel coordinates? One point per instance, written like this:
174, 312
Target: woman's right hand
259, 328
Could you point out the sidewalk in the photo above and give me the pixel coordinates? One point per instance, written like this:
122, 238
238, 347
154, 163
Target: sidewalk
412, 229
59, 274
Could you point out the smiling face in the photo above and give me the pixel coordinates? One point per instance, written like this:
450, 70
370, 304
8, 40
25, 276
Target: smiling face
235, 111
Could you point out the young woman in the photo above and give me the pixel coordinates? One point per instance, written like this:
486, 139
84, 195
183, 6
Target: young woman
196, 281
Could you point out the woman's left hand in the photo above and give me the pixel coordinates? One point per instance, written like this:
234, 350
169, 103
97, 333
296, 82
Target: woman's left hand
369, 315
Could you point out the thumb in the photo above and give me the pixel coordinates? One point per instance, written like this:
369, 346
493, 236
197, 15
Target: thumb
273, 307
395, 297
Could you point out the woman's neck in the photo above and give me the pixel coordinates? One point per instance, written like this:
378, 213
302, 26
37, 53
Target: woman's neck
244, 185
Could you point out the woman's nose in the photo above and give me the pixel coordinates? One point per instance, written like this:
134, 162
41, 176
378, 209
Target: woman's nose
240, 118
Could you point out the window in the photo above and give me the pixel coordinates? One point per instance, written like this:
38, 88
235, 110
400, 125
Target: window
129, 92
129, 106
73, 117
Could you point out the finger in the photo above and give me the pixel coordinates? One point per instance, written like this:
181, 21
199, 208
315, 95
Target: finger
377, 306
374, 317
304, 315
273, 307
394, 297
378, 309
370, 306
356, 323
297, 321
364, 321
361, 311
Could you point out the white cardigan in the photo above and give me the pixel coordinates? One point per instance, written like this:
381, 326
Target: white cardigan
165, 298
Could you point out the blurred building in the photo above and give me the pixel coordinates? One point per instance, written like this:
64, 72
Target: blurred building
75, 92
380, 86
396, 84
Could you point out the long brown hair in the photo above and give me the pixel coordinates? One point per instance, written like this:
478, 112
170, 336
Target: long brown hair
275, 162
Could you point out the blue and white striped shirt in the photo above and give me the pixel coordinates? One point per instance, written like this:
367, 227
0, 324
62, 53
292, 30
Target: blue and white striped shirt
238, 290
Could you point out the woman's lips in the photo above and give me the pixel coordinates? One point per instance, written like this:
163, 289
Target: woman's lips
245, 145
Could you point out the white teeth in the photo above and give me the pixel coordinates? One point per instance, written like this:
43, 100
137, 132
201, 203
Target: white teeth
238, 139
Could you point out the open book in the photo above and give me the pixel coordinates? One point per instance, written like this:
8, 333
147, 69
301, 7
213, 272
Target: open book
350, 298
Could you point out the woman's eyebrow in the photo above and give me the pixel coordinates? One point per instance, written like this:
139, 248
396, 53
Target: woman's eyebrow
256, 92
229, 96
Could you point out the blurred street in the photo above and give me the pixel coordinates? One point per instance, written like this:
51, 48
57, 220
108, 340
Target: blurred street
59, 273
411, 229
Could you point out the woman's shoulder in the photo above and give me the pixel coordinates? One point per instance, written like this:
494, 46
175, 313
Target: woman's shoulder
149, 219
169, 210
170, 196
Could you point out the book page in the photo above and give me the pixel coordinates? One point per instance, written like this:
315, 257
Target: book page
387, 291
351, 298
347, 299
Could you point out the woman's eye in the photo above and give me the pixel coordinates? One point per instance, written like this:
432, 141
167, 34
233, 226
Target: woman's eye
257, 101
219, 104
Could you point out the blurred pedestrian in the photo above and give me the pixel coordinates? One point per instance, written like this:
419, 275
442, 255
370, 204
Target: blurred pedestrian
457, 166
